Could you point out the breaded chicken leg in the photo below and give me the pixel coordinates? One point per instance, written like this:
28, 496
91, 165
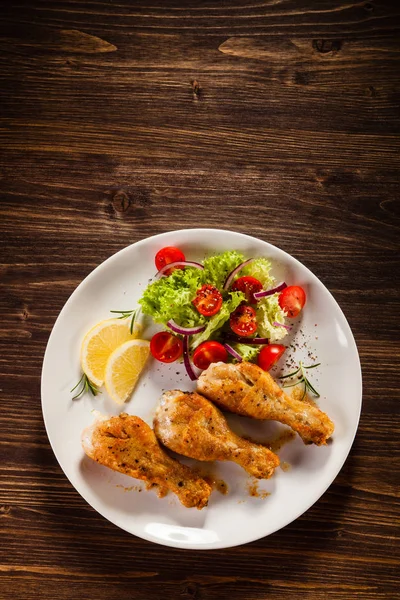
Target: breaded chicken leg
128, 445
247, 390
191, 425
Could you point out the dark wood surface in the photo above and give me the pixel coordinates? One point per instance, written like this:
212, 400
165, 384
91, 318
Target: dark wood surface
124, 119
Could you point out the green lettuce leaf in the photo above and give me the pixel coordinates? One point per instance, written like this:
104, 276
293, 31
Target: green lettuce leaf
246, 351
171, 298
218, 267
260, 269
268, 311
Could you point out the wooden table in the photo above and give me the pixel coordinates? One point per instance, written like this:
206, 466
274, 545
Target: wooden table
120, 120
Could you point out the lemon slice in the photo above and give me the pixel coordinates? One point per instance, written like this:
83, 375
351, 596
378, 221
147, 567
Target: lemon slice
124, 367
100, 342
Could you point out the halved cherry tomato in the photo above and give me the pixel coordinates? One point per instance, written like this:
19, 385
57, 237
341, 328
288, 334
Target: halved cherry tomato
292, 300
209, 352
168, 255
248, 285
166, 347
208, 300
243, 320
269, 355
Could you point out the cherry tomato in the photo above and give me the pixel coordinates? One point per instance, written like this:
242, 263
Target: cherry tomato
248, 285
292, 299
208, 300
168, 255
166, 347
209, 352
243, 320
269, 355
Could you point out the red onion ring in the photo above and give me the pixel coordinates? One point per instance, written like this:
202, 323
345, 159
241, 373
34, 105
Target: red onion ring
233, 352
276, 324
186, 359
180, 263
264, 293
236, 270
251, 341
184, 330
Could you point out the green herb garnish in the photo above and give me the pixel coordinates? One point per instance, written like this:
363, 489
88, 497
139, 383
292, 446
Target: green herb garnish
124, 314
302, 378
86, 386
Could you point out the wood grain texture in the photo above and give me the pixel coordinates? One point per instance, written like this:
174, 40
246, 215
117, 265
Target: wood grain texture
122, 119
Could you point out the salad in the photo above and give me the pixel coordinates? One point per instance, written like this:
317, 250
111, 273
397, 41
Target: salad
225, 308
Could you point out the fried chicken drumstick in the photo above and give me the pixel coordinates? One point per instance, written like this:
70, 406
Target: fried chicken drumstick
191, 425
247, 390
128, 445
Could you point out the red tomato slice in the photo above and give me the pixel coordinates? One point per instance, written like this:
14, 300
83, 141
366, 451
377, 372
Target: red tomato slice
166, 347
209, 352
269, 355
248, 285
243, 320
168, 255
208, 300
292, 299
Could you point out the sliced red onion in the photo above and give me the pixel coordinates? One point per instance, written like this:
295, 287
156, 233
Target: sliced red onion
185, 330
276, 324
186, 359
236, 270
180, 263
233, 352
274, 290
252, 341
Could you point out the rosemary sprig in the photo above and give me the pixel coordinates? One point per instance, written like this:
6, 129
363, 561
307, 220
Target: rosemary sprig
124, 314
86, 386
290, 374
300, 372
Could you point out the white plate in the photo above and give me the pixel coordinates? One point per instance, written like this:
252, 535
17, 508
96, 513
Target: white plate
235, 518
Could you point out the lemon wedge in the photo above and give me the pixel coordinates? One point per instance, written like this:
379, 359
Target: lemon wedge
99, 343
124, 368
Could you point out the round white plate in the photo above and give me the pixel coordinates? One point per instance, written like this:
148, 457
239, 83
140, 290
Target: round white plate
238, 517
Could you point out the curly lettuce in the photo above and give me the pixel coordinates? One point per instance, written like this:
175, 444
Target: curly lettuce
171, 298
218, 267
260, 269
268, 311
246, 351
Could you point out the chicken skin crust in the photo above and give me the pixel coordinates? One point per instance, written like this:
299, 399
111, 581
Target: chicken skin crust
191, 425
128, 445
247, 390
